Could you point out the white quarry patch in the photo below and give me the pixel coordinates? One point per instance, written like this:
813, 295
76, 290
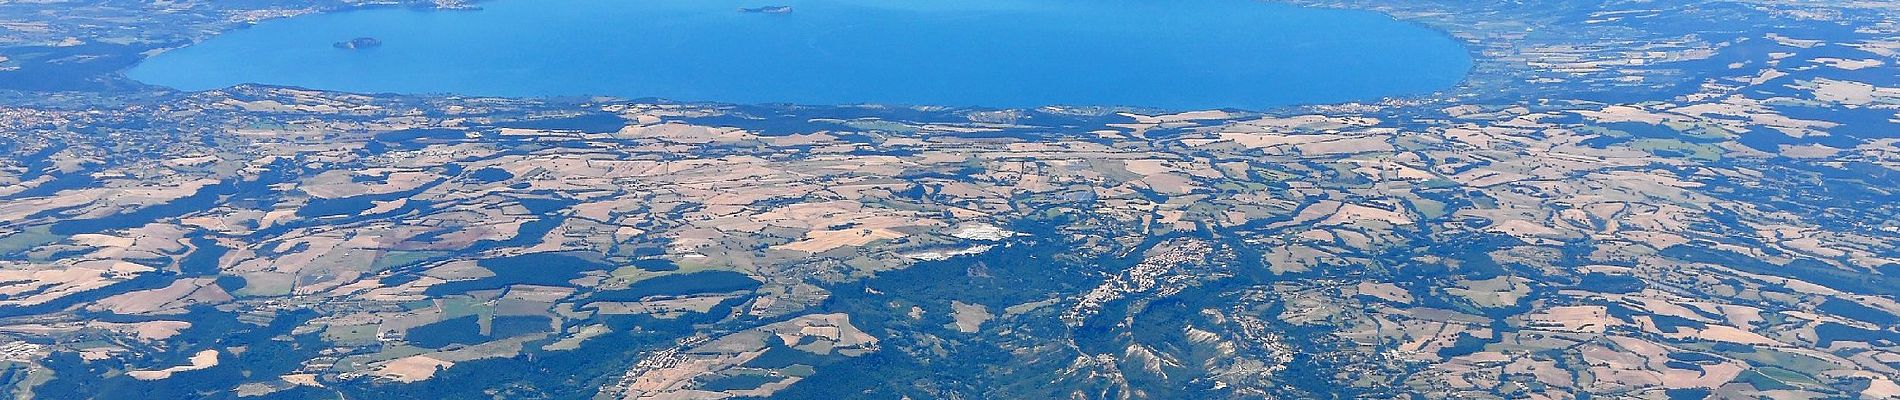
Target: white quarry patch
945, 255
982, 231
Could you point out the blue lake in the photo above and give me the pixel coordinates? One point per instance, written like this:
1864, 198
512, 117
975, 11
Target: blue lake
1181, 54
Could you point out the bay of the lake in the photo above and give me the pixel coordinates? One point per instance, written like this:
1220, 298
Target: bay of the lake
1180, 54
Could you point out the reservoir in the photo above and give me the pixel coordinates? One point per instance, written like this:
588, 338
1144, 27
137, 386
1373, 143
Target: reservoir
1178, 54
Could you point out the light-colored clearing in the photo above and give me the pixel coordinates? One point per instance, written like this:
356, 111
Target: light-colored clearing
969, 317
202, 360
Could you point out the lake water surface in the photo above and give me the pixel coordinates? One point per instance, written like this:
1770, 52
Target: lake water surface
1179, 54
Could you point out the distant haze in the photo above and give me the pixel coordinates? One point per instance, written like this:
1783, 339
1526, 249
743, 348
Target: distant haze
1188, 54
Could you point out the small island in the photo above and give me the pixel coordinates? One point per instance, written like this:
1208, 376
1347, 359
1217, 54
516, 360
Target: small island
358, 43
767, 10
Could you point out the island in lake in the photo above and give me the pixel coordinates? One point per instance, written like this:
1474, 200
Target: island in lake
358, 43
767, 10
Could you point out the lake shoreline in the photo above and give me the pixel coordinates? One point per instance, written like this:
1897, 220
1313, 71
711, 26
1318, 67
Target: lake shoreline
1462, 77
